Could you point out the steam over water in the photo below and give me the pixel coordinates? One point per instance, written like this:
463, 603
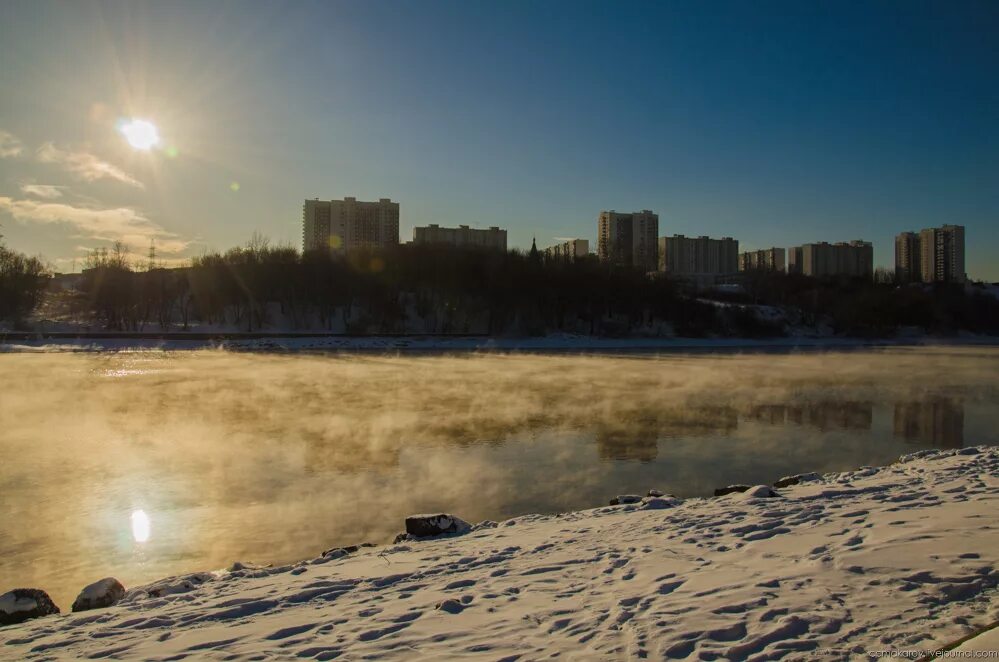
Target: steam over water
141, 465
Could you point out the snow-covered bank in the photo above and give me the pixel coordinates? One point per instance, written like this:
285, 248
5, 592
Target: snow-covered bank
550, 343
895, 558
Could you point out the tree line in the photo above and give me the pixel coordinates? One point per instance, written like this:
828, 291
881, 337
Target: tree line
437, 289
23, 280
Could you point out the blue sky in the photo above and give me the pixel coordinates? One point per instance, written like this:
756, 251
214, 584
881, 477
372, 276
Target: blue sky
777, 123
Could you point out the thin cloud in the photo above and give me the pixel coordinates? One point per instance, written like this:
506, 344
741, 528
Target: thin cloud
46, 191
105, 225
85, 165
9, 145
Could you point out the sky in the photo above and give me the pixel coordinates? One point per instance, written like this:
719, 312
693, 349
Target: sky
777, 123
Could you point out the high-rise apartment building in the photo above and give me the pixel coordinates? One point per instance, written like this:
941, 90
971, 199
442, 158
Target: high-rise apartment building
907, 257
767, 259
568, 251
854, 258
628, 239
941, 254
698, 256
344, 225
462, 236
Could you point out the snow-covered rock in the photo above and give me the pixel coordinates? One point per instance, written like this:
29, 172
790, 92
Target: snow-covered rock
22, 604
787, 481
760, 492
659, 503
102, 593
424, 526
169, 586
722, 491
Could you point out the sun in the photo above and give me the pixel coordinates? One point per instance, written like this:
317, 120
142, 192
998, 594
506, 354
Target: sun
140, 134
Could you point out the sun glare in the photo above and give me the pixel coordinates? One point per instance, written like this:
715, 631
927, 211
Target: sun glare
140, 526
140, 134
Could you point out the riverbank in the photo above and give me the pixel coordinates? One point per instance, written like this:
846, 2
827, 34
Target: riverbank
901, 557
102, 342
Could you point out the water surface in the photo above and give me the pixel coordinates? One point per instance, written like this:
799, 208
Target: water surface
145, 464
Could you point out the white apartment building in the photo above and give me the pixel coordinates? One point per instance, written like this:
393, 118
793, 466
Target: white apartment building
344, 225
628, 239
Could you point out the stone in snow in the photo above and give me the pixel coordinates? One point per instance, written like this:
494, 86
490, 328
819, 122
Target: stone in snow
759, 492
625, 498
22, 604
451, 606
102, 593
422, 526
722, 491
794, 480
658, 503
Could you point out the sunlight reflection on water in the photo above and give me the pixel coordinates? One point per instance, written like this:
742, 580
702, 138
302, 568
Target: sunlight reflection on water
140, 526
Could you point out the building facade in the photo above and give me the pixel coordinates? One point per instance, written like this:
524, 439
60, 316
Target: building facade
698, 256
767, 259
339, 226
822, 259
568, 251
462, 236
628, 239
941, 254
908, 259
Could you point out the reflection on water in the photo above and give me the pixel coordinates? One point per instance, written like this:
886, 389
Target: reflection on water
140, 526
842, 415
938, 422
141, 465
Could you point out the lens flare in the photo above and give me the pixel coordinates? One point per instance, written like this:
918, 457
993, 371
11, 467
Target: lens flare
140, 526
140, 134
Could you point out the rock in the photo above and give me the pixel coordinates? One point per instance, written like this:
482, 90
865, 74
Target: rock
625, 498
760, 492
401, 537
794, 480
103, 593
451, 606
658, 503
722, 491
423, 526
337, 552
656, 493
23, 604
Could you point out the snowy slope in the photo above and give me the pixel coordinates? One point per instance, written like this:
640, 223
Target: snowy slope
901, 557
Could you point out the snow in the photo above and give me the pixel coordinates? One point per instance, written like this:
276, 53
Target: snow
98, 589
11, 604
900, 557
987, 641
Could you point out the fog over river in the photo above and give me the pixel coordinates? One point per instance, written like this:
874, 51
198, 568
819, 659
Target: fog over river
146, 464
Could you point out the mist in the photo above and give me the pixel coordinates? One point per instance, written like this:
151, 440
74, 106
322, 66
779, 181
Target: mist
273, 458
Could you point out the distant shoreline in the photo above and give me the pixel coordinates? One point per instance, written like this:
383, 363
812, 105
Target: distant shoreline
327, 342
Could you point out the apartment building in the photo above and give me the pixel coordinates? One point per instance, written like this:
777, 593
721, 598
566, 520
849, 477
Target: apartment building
568, 251
767, 259
822, 259
463, 236
628, 239
941, 254
698, 256
344, 225
907, 257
